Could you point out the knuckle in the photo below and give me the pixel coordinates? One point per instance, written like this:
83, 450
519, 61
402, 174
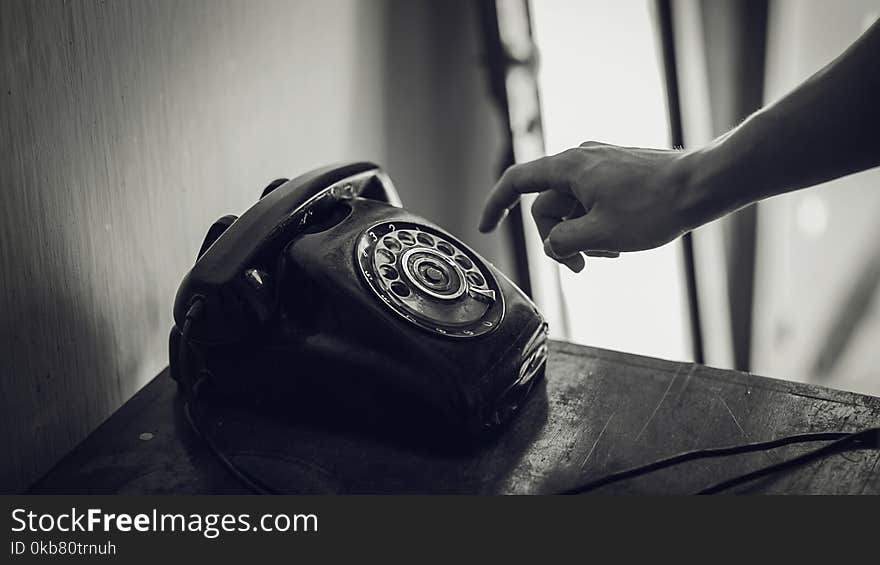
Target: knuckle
562, 165
547, 163
583, 182
539, 206
536, 210
569, 155
508, 173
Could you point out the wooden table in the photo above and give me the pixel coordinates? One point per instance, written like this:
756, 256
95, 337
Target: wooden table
596, 412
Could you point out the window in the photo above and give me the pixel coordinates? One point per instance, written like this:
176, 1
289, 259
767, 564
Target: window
600, 79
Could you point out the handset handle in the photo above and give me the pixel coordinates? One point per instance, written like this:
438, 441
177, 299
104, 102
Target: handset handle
235, 296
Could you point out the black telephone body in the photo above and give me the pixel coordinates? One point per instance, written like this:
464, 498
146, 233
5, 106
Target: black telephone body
327, 285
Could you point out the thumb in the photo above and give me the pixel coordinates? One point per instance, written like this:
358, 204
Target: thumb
578, 234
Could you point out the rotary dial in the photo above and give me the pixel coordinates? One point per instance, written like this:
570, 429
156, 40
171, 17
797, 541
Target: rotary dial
430, 279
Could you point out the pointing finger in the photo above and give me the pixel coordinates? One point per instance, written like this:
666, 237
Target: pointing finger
535, 176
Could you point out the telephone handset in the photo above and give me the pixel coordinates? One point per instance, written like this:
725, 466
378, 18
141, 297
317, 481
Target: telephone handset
229, 274
327, 285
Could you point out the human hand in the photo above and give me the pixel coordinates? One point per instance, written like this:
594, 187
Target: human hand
599, 199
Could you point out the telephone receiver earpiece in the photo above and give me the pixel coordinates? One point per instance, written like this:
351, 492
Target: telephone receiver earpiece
221, 225
272, 186
215, 231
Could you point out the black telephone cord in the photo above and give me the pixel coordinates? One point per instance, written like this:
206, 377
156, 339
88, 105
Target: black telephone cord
865, 439
192, 391
251, 483
841, 441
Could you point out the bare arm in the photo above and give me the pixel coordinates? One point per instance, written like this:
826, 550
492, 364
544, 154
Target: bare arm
604, 199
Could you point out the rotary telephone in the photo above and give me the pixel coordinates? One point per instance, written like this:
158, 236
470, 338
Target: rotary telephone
327, 288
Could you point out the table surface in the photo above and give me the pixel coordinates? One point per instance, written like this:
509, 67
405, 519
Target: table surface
596, 412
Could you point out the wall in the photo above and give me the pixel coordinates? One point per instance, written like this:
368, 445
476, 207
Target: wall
443, 136
126, 128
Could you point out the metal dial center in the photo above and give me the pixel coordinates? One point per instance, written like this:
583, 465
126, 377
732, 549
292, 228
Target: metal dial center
433, 274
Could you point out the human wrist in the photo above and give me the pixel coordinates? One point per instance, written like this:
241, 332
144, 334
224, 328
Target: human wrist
706, 182
734, 170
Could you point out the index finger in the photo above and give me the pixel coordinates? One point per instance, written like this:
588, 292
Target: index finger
535, 176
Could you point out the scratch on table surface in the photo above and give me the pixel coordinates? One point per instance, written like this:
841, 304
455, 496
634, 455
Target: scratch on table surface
729, 411
656, 408
687, 380
595, 443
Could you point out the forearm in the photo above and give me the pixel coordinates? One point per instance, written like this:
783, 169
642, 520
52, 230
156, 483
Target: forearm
827, 128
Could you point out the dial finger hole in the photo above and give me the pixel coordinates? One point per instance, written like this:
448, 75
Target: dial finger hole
391, 243
383, 256
464, 262
400, 289
425, 239
475, 278
406, 238
388, 272
445, 248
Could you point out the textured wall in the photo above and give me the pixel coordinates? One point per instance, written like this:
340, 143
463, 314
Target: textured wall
127, 127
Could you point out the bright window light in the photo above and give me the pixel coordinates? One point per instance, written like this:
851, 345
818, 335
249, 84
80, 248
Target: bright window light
600, 79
